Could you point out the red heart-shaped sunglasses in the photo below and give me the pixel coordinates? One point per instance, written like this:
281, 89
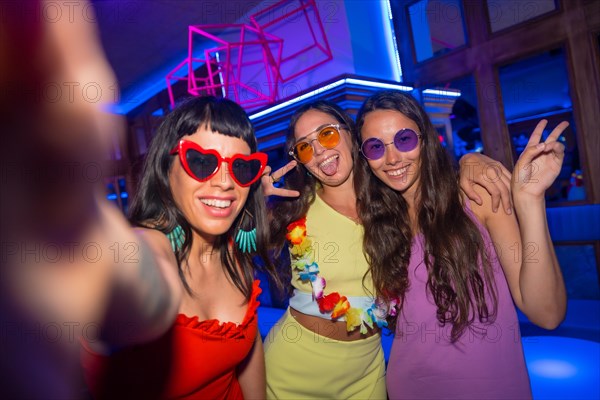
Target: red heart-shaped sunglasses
202, 164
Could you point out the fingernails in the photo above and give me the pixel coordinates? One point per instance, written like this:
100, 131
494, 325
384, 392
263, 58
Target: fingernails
509, 211
540, 146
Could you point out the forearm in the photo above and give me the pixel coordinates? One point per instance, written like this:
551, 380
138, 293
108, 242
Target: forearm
543, 295
147, 290
98, 276
251, 373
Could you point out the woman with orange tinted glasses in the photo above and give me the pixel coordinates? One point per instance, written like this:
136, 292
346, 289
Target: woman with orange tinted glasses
328, 344
328, 137
201, 207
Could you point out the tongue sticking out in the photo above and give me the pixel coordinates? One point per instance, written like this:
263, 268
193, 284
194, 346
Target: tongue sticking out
329, 168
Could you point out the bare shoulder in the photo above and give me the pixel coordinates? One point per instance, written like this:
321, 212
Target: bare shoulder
158, 241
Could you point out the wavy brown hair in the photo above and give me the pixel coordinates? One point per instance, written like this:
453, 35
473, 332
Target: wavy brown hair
454, 247
284, 210
154, 206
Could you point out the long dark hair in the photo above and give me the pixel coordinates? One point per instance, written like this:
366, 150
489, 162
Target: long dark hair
453, 243
154, 207
286, 210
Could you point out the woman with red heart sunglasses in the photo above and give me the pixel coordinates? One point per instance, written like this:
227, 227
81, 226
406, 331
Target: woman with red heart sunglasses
200, 206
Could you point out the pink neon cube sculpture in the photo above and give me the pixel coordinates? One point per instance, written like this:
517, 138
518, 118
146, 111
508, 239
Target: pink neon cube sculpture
172, 79
180, 73
241, 63
299, 24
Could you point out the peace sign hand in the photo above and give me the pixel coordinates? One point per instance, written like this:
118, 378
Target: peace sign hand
540, 162
269, 179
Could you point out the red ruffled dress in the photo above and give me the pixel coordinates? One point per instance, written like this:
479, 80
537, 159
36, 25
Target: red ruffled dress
193, 360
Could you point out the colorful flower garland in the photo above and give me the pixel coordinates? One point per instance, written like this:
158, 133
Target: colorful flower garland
302, 256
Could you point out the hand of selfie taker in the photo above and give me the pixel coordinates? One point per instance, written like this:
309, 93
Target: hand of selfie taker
58, 228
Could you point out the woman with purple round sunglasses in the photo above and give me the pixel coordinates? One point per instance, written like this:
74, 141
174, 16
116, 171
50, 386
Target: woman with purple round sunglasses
404, 140
457, 332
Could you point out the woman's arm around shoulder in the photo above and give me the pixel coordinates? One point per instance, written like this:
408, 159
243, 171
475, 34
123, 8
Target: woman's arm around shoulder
478, 169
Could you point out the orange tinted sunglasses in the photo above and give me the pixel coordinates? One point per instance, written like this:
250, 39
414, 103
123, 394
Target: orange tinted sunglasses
328, 136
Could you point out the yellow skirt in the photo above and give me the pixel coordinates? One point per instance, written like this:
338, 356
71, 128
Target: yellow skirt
302, 364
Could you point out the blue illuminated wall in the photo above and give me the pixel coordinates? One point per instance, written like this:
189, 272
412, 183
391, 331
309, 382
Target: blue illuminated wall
371, 38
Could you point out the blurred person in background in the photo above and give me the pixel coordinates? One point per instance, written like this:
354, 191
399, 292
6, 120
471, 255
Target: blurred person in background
58, 278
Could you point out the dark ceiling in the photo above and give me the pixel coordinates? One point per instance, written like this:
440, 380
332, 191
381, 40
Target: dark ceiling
142, 37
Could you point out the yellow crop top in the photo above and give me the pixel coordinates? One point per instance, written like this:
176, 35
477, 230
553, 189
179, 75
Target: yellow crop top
337, 246
328, 267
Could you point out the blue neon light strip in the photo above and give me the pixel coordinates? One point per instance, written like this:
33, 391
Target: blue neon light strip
390, 36
297, 99
446, 93
351, 81
380, 85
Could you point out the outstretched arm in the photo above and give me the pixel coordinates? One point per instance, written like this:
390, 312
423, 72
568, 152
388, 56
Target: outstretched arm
102, 271
524, 247
543, 293
148, 288
82, 282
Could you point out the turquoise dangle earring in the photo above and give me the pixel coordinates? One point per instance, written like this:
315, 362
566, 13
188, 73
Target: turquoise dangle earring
176, 237
246, 240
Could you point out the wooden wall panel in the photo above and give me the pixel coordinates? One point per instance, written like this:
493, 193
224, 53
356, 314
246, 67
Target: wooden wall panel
574, 26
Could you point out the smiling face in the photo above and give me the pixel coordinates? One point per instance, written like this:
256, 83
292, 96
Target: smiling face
332, 167
398, 170
211, 206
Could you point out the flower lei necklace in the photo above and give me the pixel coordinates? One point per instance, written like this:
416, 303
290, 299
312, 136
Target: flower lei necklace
302, 257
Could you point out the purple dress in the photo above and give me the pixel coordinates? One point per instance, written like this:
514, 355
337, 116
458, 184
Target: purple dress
485, 363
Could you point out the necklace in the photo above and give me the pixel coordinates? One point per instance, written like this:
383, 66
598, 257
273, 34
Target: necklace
303, 262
